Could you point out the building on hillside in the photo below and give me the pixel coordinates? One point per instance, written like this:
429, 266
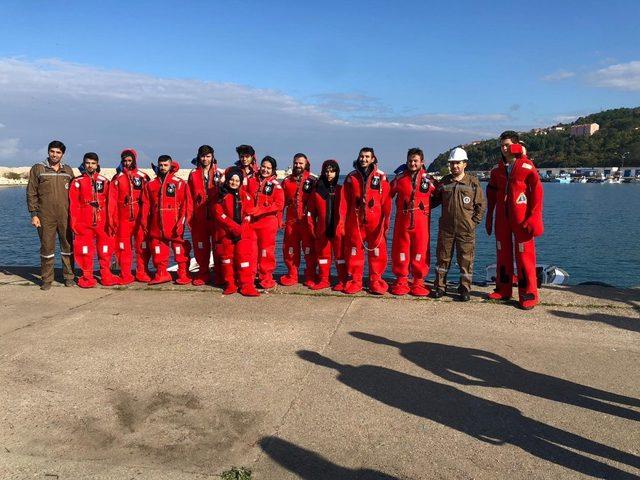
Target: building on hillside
584, 130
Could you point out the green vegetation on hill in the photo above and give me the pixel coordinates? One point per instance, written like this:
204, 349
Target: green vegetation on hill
618, 138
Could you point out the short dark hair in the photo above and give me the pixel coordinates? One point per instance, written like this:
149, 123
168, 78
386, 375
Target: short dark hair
205, 150
415, 151
245, 150
90, 156
300, 155
165, 158
367, 150
57, 144
510, 134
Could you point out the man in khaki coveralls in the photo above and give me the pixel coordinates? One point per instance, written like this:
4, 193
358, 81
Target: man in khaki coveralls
48, 203
463, 207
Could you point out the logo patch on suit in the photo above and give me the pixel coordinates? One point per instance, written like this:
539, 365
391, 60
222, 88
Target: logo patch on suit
171, 190
268, 188
466, 200
307, 185
375, 183
137, 183
99, 186
522, 199
424, 185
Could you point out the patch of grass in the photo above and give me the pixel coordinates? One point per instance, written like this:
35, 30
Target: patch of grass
12, 175
236, 473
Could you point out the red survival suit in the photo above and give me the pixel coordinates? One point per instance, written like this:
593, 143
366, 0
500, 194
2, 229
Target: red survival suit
165, 209
265, 221
516, 198
125, 197
236, 240
366, 207
410, 247
296, 228
88, 212
327, 229
203, 191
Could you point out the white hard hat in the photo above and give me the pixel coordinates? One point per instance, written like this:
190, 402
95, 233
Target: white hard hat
458, 155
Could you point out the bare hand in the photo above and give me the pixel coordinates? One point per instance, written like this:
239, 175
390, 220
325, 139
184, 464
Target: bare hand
35, 221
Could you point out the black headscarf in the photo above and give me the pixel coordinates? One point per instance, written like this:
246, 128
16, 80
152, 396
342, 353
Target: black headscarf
327, 190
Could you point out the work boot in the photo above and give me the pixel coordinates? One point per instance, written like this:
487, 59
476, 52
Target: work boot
338, 287
527, 301
464, 296
249, 291
438, 293
419, 289
288, 279
69, 282
45, 286
352, 287
401, 287
183, 274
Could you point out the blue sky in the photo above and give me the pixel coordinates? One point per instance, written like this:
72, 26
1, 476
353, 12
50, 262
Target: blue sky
318, 77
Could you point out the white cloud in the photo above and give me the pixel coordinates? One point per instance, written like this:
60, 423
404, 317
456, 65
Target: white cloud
103, 110
9, 148
622, 76
558, 76
565, 118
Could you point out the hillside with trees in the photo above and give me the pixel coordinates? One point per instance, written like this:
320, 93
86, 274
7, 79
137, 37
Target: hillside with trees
617, 141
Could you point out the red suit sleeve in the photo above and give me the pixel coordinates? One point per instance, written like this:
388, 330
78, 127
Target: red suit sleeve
312, 214
112, 204
193, 201
228, 224
386, 205
345, 200
145, 209
74, 205
184, 210
492, 196
533, 223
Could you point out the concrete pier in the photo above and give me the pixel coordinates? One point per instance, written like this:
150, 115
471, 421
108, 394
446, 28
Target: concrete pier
183, 383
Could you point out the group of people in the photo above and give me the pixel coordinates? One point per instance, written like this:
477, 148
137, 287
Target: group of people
234, 215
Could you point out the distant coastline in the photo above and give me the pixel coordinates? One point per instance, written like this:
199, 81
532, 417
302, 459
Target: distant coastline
19, 176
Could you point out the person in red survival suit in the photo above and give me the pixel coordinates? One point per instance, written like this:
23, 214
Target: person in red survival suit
203, 184
236, 240
88, 199
268, 202
326, 227
248, 164
366, 209
125, 197
515, 194
412, 190
297, 189
165, 209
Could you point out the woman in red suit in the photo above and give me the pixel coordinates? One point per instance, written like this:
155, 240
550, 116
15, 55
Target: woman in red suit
236, 238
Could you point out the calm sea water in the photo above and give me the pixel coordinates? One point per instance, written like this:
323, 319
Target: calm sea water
591, 230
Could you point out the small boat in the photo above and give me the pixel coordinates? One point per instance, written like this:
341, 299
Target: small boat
547, 275
613, 180
563, 178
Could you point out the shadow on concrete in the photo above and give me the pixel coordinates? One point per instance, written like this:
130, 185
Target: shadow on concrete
482, 419
457, 364
31, 274
629, 296
617, 321
309, 465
